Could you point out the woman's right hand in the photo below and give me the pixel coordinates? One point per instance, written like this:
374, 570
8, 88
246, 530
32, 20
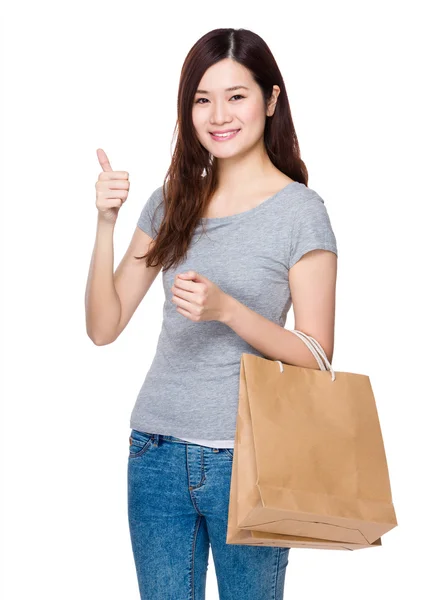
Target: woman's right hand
112, 189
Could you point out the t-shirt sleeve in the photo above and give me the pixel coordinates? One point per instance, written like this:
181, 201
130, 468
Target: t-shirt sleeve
310, 230
151, 214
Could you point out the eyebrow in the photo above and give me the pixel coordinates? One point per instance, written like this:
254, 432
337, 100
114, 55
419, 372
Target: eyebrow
231, 89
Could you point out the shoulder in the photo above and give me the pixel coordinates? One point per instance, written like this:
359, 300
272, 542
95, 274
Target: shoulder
308, 224
155, 201
152, 212
156, 197
300, 196
303, 205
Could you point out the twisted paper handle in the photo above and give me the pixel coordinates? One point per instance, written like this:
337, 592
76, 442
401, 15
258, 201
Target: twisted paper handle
316, 350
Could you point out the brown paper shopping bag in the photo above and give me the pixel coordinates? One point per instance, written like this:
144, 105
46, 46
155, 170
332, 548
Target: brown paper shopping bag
309, 467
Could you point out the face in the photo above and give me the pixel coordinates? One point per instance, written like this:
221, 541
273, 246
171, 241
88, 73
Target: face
218, 109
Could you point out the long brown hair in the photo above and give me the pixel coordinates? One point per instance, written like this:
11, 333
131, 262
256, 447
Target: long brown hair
191, 178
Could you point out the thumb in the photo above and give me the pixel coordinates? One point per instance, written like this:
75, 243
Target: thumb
103, 160
190, 275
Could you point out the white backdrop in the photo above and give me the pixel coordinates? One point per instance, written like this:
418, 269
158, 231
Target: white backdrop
80, 76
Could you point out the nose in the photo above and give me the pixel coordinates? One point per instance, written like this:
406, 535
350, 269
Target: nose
220, 113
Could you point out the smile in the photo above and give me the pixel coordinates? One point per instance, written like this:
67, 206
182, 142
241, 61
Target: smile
224, 137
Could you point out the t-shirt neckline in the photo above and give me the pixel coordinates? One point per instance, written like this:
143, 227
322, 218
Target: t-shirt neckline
250, 210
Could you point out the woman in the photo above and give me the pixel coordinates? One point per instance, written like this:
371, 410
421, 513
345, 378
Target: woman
237, 233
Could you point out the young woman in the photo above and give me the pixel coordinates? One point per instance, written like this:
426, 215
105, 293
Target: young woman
238, 235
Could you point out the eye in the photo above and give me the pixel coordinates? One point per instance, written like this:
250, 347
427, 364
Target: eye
235, 96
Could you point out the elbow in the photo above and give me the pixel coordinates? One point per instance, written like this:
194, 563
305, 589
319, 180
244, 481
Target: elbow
100, 341
98, 336
328, 350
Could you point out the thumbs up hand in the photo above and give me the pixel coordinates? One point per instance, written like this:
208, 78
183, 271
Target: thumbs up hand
112, 189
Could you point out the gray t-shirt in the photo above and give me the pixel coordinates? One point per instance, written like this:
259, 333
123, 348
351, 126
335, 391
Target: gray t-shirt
191, 389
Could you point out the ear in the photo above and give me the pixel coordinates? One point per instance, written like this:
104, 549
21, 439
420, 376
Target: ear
273, 99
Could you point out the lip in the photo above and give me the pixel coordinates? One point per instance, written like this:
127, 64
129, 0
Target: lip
224, 130
224, 139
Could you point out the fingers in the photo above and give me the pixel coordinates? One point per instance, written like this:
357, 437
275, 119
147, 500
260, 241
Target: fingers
112, 189
106, 168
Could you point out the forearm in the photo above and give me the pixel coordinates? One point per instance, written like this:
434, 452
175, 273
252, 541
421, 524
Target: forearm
102, 303
272, 340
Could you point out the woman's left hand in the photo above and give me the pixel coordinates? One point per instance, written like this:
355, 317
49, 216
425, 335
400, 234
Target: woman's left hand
198, 298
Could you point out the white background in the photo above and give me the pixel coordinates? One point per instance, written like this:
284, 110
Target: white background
79, 76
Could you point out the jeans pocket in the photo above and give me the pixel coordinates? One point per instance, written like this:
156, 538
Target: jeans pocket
139, 443
229, 452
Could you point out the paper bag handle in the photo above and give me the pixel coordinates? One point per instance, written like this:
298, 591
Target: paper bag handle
314, 346
316, 349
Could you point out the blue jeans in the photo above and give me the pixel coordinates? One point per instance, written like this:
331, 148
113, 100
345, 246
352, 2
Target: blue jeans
178, 495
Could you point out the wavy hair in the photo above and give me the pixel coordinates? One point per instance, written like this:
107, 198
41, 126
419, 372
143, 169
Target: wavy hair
191, 178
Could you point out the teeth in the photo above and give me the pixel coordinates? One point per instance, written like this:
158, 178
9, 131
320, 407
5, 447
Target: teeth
224, 134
